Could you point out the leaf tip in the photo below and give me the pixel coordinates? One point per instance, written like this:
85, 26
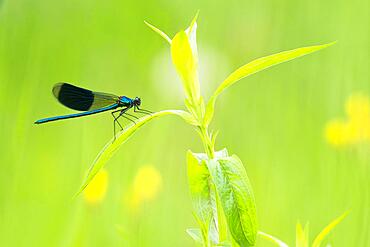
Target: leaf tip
196, 15
320, 47
319, 238
158, 31
344, 215
194, 20
148, 24
331, 43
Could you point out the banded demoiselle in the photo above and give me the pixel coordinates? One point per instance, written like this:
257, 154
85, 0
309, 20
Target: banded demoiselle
90, 103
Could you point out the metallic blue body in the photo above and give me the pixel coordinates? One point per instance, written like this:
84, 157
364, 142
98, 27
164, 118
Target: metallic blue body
111, 107
126, 101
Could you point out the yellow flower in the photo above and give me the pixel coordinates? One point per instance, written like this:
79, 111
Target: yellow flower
356, 128
146, 185
95, 191
358, 107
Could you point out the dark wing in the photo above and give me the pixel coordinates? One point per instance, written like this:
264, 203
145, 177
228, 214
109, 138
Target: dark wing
82, 99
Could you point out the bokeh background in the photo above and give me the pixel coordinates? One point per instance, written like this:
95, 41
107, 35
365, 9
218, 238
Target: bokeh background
300, 128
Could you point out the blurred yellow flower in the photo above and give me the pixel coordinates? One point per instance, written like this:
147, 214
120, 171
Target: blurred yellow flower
146, 185
95, 191
356, 128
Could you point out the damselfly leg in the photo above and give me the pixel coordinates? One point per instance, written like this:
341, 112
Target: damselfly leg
143, 111
114, 123
128, 114
124, 114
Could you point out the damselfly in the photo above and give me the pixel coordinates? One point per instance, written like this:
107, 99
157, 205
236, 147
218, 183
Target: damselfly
90, 103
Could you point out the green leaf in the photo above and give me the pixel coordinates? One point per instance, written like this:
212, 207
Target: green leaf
254, 67
327, 230
218, 210
186, 65
198, 178
233, 187
191, 32
196, 234
160, 32
203, 194
302, 239
213, 138
220, 219
185, 58
272, 239
111, 147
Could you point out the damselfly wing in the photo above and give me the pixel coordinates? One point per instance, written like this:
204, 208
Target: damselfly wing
81, 99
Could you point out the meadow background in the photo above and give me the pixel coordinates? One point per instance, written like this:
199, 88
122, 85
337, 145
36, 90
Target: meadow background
275, 120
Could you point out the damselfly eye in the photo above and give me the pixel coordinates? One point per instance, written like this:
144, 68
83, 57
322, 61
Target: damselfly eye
137, 101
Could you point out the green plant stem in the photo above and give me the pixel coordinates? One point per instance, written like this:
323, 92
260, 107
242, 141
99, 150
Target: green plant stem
207, 143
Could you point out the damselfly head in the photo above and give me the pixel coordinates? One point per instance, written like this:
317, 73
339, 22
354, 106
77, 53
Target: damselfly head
137, 101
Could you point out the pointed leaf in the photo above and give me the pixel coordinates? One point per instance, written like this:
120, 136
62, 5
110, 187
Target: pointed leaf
111, 147
158, 31
302, 239
186, 65
191, 32
233, 187
203, 194
327, 230
198, 178
255, 66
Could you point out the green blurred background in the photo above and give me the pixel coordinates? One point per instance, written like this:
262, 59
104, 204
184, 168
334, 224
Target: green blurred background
274, 120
